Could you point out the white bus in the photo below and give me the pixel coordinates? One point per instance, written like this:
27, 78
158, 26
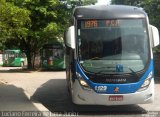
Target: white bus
109, 58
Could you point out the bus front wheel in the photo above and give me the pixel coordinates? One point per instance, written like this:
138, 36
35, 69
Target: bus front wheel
70, 84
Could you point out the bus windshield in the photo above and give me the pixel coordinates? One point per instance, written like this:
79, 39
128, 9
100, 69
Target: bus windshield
53, 52
113, 46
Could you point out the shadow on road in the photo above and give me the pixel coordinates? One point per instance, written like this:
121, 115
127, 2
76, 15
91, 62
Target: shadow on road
54, 96
13, 98
25, 70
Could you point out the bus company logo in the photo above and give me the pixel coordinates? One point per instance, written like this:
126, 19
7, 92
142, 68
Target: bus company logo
116, 89
116, 80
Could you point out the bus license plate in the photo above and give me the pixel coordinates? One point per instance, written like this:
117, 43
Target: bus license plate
116, 98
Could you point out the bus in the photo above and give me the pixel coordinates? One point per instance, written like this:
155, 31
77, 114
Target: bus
52, 56
109, 59
14, 58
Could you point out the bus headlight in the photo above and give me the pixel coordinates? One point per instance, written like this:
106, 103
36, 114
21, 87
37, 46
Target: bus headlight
83, 82
146, 82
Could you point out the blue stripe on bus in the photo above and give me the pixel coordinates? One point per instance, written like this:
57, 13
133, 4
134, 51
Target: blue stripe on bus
123, 88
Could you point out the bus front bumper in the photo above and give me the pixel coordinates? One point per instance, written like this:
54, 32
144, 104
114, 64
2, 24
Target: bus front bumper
85, 97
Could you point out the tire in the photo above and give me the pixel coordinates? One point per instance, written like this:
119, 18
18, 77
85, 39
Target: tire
70, 85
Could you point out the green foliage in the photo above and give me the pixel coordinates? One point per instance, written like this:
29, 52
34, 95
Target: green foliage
14, 21
29, 24
88, 2
74, 3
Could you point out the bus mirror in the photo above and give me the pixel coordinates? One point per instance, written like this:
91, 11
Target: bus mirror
154, 36
70, 37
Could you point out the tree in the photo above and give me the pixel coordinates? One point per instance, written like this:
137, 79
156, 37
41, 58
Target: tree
43, 26
73, 3
14, 21
32, 23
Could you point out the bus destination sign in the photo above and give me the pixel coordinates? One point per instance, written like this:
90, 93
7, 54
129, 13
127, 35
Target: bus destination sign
99, 23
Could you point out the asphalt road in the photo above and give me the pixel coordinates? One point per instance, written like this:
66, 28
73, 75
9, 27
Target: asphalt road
48, 90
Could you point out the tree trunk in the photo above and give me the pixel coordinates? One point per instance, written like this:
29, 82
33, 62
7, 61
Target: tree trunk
28, 52
33, 60
29, 60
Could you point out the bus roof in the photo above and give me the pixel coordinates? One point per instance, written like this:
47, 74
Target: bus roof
16, 51
108, 12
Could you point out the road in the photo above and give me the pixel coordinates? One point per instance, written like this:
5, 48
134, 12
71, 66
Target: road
47, 90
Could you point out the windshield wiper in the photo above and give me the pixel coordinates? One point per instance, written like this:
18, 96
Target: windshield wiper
133, 72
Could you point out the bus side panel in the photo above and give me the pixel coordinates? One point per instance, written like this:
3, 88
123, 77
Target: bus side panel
70, 67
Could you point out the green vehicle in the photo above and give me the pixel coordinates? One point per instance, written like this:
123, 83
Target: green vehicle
14, 58
52, 56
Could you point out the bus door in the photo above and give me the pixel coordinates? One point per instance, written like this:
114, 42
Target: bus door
9, 58
17, 60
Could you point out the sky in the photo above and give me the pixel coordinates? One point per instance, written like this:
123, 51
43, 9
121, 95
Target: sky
103, 1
